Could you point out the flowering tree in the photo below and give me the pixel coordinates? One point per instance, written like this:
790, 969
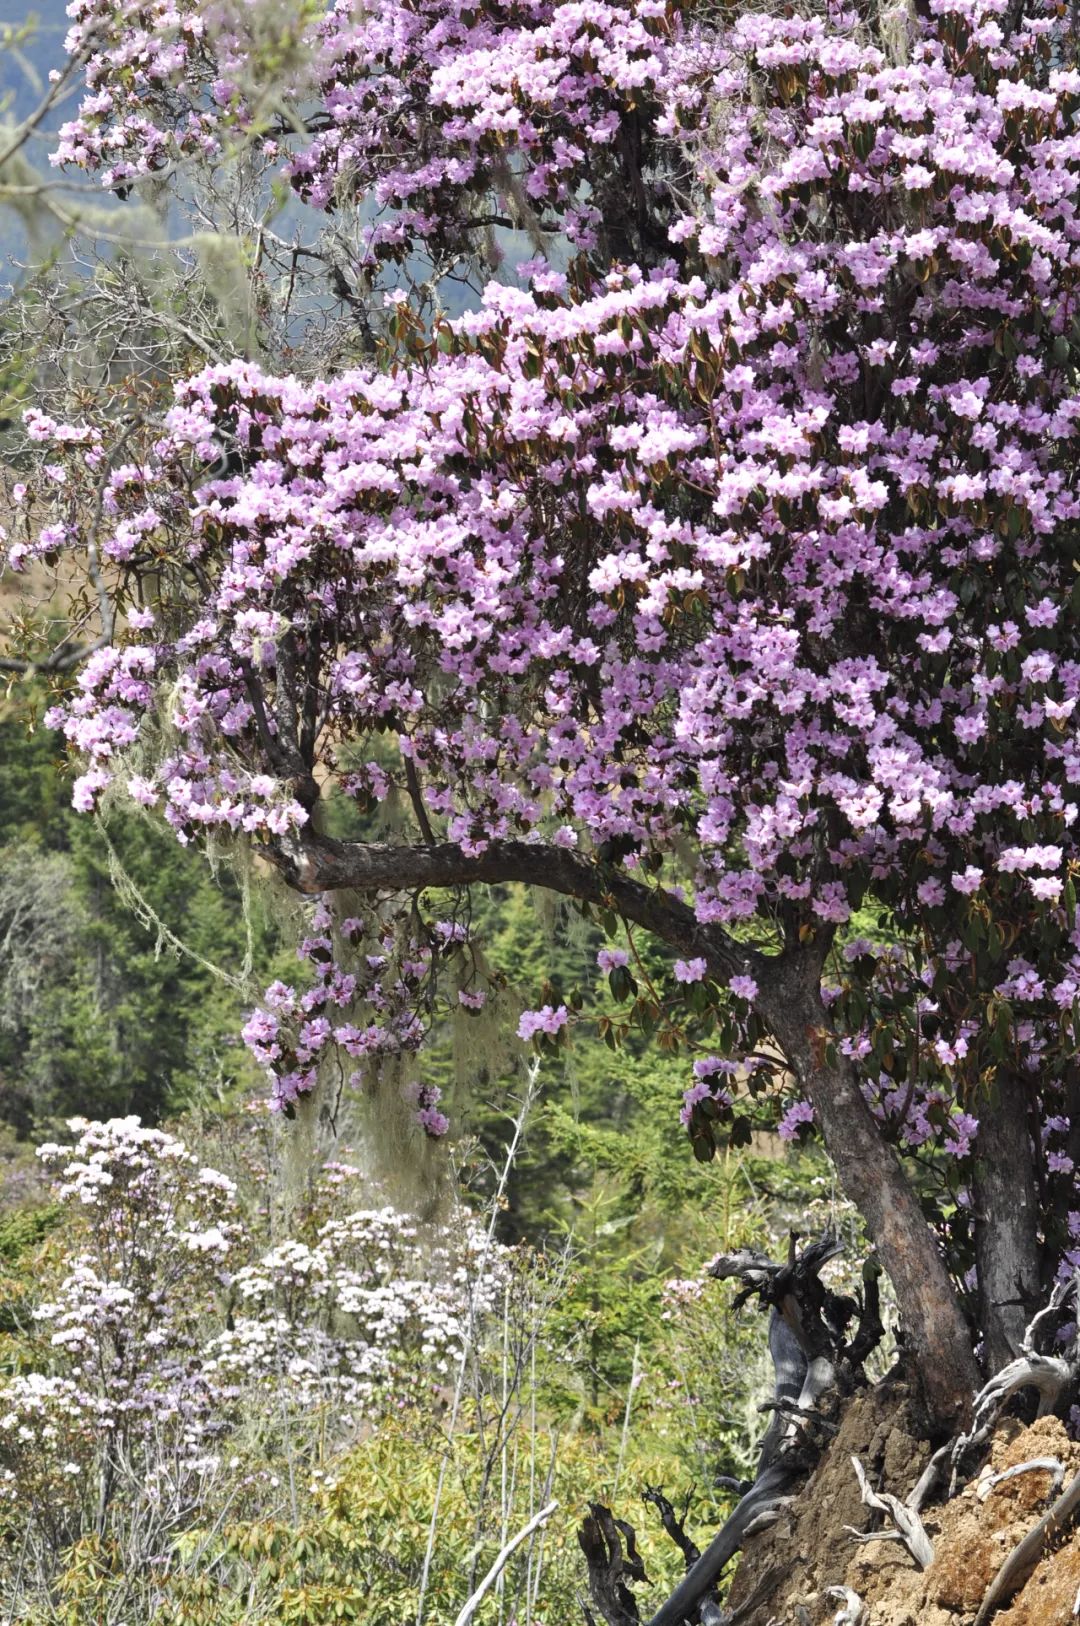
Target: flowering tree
717, 573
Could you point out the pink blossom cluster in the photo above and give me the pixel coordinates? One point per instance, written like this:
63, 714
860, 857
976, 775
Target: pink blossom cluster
753, 558
446, 116
366, 986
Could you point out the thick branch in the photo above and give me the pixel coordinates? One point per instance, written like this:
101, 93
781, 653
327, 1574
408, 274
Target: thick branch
316, 863
789, 1001
771, 1485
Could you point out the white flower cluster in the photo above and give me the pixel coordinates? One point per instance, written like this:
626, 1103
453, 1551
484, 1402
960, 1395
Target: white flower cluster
169, 1317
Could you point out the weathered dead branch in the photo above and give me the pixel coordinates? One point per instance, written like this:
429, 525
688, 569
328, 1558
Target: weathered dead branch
852, 1610
907, 1526
812, 1354
470, 1607
1046, 1465
611, 1569
1050, 1375
1027, 1553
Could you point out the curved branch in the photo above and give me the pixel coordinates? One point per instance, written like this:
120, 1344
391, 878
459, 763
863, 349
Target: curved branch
311, 863
1026, 1554
1037, 1465
470, 1608
907, 1526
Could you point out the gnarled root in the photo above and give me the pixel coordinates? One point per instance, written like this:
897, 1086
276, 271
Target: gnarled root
1026, 1554
907, 1526
1045, 1465
852, 1610
812, 1353
1048, 1374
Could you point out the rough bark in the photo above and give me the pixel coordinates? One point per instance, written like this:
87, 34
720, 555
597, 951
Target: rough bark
789, 1001
1007, 1261
614, 1564
934, 1327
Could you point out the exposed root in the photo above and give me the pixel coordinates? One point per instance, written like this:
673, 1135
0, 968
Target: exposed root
852, 1610
1050, 1375
1027, 1553
1047, 1373
931, 1476
907, 1526
1046, 1465
1058, 1299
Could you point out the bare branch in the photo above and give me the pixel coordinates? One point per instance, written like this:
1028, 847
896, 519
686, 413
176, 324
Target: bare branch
1027, 1553
469, 1609
41, 112
806, 1340
908, 1527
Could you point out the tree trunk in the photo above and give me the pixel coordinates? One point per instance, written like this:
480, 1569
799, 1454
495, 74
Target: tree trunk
870, 1173
789, 1001
1006, 1220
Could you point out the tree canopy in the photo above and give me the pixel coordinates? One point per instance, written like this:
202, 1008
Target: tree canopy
717, 571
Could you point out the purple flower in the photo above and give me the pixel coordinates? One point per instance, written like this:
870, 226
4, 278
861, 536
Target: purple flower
799, 1113
545, 1020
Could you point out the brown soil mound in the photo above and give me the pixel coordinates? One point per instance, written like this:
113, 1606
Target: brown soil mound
809, 1549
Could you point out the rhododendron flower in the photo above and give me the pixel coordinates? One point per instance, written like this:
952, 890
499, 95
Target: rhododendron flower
799, 1113
545, 1020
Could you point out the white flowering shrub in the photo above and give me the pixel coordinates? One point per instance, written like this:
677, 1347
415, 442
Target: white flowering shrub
168, 1325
